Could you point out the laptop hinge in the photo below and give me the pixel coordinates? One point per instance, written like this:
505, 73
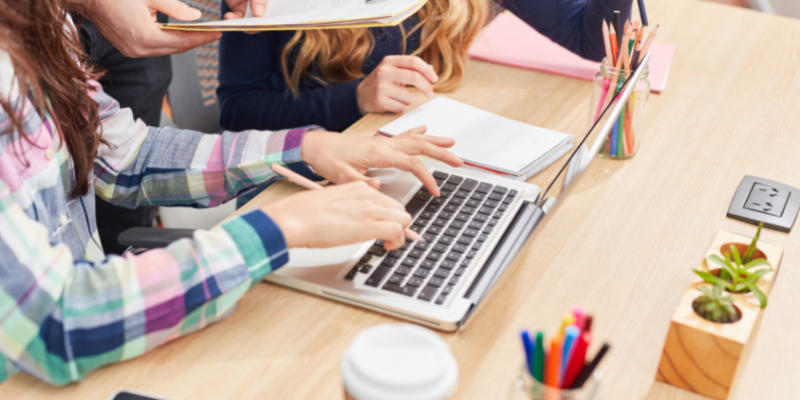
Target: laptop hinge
515, 236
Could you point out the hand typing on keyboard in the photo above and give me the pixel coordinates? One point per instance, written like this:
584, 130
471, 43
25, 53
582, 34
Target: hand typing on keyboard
342, 158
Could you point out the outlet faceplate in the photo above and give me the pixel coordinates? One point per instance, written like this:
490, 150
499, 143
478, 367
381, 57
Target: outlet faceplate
762, 200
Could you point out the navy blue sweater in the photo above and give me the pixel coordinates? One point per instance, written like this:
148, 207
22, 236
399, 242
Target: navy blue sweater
253, 93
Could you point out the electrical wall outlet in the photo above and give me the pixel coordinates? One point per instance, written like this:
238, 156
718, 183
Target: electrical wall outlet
762, 200
767, 199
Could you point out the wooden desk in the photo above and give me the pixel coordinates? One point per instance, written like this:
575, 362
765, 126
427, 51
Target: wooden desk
623, 244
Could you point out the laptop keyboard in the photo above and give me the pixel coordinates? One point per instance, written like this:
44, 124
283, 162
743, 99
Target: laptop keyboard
455, 227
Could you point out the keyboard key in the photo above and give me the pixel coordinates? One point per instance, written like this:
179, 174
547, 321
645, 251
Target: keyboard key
470, 232
496, 196
488, 230
423, 195
465, 240
417, 228
410, 262
435, 256
499, 214
422, 246
475, 225
494, 222
468, 210
446, 215
416, 282
439, 201
457, 225
439, 182
460, 248
366, 258
481, 217
406, 290
440, 247
471, 254
451, 232
454, 256
447, 264
513, 193
445, 194
429, 237
436, 282
414, 206
422, 273
469, 185
462, 217
440, 175
396, 278
389, 262
375, 279
500, 189
442, 273
478, 196
403, 270
457, 201
434, 230
491, 204
484, 188
428, 264
433, 208
450, 187
377, 251
453, 281
473, 203
455, 180
440, 222
427, 215
446, 240
483, 238
365, 269
428, 293
465, 262
421, 222
485, 210
462, 194
447, 290
503, 207
451, 208
350, 275
508, 200
441, 299
477, 246
460, 271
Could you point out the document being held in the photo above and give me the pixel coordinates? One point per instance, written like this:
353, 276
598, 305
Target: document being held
314, 14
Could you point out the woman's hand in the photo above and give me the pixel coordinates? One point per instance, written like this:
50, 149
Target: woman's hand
384, 89
342, 158
339, 215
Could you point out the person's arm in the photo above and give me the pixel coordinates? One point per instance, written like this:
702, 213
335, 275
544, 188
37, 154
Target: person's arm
165, 166
253, 93
574, 24
62, 318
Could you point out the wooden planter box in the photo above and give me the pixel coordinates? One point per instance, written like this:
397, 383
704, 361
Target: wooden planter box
702, 356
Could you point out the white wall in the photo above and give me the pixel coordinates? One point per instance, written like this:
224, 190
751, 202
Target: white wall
790, 8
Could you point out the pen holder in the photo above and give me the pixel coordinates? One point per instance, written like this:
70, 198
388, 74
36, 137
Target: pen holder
624, 138
536, 390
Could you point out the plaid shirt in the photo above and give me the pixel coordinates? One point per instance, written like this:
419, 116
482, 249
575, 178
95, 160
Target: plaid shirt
66, 309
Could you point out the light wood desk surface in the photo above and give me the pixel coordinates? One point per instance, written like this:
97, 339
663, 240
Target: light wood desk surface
622, 245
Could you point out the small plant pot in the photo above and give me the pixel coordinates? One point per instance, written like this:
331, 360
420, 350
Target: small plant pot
702, 356
736, 317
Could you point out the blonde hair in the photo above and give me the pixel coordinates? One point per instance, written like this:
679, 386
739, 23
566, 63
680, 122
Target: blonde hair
447, 28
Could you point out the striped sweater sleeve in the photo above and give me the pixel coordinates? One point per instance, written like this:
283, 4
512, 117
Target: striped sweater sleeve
144, 165
61, 318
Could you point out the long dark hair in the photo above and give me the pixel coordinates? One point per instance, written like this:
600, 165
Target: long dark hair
44, 50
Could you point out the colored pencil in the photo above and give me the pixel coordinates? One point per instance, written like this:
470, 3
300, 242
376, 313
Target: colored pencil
553, 364
643, 13
617, 26
606, 41
577, 360
650, 39
566, 320
311, 185
614, 48
571, 336
529, 350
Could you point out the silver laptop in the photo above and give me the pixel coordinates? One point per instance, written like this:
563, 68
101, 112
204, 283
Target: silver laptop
473, 231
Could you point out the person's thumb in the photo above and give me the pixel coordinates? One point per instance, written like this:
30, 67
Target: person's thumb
259, 7
177, 10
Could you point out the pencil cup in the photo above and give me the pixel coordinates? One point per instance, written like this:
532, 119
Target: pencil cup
624, 138
536, 390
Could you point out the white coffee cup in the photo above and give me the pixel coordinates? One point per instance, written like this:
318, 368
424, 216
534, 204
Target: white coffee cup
398, 362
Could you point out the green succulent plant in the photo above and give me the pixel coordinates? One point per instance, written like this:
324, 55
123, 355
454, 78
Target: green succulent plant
715, 307
736, 275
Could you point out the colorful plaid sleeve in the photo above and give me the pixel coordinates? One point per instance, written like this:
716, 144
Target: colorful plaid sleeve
60, 319
167, 166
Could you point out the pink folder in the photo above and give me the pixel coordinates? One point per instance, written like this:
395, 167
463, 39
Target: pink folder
510, 41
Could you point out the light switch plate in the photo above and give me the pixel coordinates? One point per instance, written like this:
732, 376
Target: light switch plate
762, 200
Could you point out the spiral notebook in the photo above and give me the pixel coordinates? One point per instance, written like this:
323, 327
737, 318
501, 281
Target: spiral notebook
485, 140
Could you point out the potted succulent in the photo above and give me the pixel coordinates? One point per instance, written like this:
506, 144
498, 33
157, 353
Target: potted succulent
718, 313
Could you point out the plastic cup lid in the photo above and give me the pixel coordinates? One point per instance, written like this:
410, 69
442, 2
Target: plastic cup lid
399, 362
